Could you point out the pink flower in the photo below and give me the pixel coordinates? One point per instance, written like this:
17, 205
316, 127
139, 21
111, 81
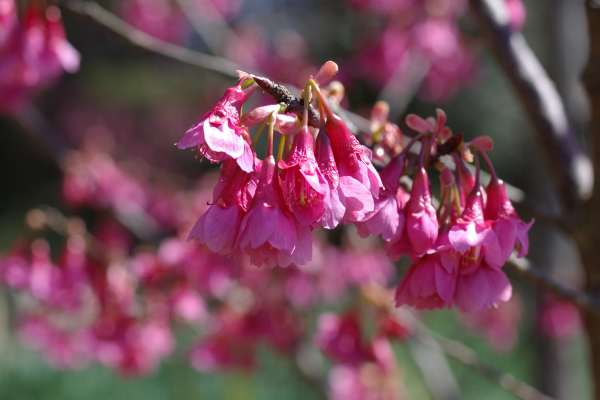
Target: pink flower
268, 233
219, 135
387, 218
304, 187
427, 284
508, 226
340, 338
471, 241
482, 289
421, 218
347, 199
351, 157
219, 226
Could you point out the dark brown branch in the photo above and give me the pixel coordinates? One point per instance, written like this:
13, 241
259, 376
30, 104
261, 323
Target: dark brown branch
295, 105
570, 166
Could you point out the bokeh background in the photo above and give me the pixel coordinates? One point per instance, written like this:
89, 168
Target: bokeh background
135, 104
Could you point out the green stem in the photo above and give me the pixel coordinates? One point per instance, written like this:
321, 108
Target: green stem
281, 147
259, 132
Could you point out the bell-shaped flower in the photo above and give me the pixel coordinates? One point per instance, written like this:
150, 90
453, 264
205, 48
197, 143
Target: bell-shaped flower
387, 218
341, 339
304, 187
470, 241
347, 198
427, 284
482, 289
218, 135
352, 159
268, 233
508, 226
219, 225
421, 218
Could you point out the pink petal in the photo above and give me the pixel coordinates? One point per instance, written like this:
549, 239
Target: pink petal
197, 232
194, 136
246, 160
221, 227
418, 124
506, 231
284, 234
358, 198
335, 208
257, 226
225, 139
445, 283
522, 229
473, 236
472, 291
500, 287
302, 253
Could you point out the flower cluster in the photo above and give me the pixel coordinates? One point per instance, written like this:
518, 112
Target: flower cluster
268, 210
33, 52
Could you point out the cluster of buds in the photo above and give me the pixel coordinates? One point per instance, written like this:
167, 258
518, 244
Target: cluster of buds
33, 51
268, 209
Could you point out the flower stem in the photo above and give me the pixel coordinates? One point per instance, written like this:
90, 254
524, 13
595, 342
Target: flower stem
271, 131
487, 161
259, 132
281, 147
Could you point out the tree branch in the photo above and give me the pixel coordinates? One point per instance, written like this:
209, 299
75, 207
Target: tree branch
468, 357
93, 10
570, 165
539, 278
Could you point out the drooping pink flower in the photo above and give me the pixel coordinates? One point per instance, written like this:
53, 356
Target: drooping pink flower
482, 289
219, 226
558, 319
421, 217
347, 199
508, 226
351, 157
340, 338
427, 284
387, 218
268, 233
219, 135
304, 187
470, 241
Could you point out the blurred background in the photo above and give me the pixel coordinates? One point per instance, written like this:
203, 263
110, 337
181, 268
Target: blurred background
97, 145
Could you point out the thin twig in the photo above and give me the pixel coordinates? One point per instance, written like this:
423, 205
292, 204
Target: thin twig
468, 357
570, 165
539, 278
110, 21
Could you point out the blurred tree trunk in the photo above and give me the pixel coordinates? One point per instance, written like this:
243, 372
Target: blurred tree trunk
588, 230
